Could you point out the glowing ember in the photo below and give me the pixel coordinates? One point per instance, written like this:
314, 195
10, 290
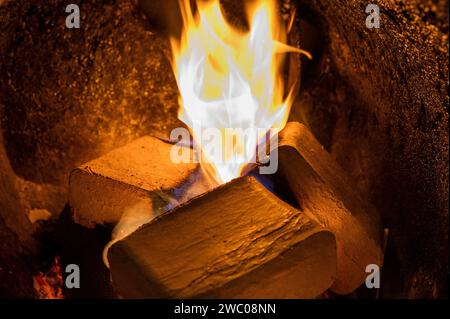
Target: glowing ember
231, 80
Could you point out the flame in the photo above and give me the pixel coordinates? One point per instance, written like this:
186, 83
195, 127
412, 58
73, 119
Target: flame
231, 80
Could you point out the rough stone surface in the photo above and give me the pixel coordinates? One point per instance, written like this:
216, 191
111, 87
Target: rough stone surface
69, 95
378, 100
20, 197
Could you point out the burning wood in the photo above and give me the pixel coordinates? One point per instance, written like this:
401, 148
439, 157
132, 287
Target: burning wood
49, 285
378, 85
102, 187
139, 173
325, 194
237, 241
230, 79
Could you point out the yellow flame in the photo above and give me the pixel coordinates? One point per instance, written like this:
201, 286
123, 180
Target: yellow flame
231, 79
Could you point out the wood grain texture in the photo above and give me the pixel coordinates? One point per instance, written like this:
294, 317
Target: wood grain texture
325, 194
101, 190
237, 241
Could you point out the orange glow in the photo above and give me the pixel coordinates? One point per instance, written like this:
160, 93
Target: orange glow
231, 80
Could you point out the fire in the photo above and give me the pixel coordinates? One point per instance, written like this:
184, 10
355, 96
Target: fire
231, 80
